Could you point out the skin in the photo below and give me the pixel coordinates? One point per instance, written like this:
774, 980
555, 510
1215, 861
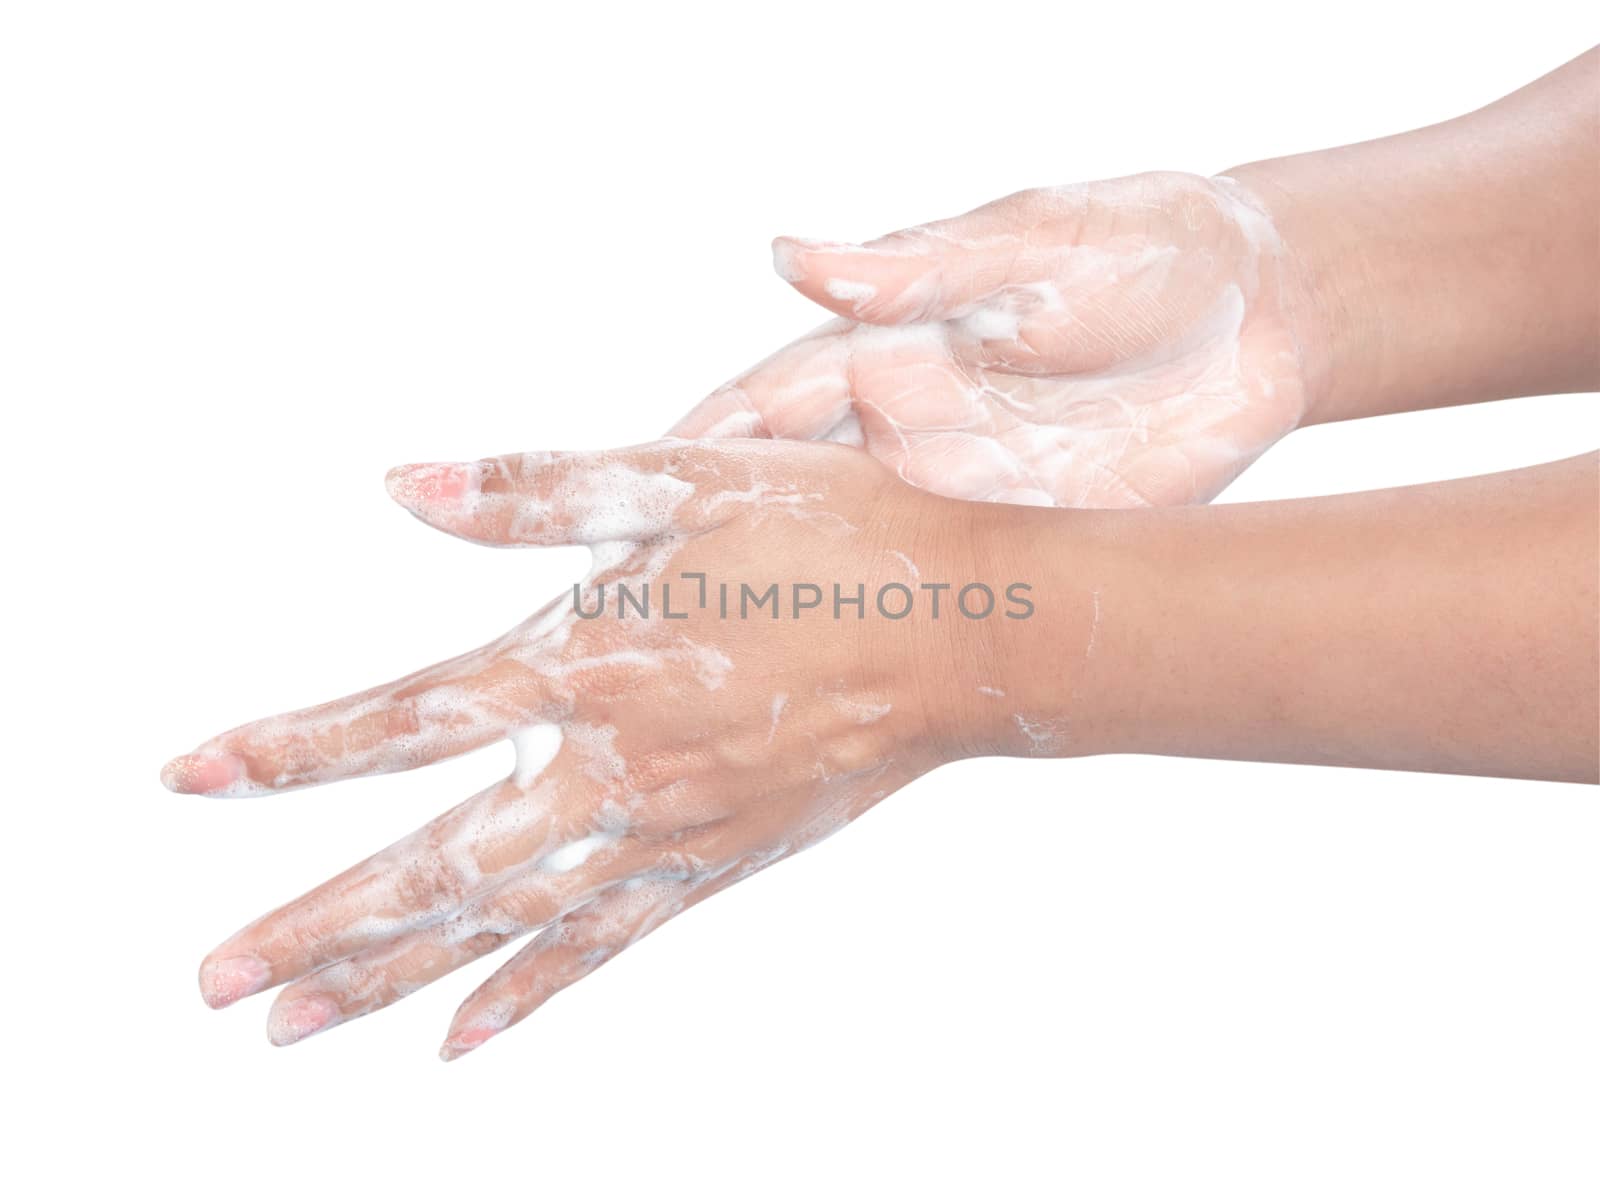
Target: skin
684, 764
1449, 627
1115, 344
1125, 344
1141, 341
1452, 627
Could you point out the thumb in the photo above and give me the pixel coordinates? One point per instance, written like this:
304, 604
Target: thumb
894, 279
548, 499
553, 499
928, 273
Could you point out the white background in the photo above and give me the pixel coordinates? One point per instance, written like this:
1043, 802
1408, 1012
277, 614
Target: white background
251, 255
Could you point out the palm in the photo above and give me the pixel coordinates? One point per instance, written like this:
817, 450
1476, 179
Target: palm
1121, 343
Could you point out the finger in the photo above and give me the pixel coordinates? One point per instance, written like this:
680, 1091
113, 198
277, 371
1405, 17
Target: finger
438, 712
924, 414
414, 883
380, 976
802, 391
574, 947
567, 951
725, 413
557, 498
934, 271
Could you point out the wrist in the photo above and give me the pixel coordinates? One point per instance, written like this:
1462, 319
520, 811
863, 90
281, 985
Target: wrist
1329, 305
1027, 681
1450, 264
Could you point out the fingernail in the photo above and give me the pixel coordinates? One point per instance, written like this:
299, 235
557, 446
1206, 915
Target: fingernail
228, 979
290, 1022
463, 1042
203, 773
785, 250
417, 486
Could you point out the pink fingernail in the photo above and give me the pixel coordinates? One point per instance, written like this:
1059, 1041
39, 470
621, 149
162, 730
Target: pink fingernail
203, 773
465, 1041
785, 250
416, 486
290, 1022
228, 979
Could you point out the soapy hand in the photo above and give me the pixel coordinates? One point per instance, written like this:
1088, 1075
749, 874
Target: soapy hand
695, 746
1123, 343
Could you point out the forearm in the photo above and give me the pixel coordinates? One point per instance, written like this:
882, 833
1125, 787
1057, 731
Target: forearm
1448, 627
1456, 263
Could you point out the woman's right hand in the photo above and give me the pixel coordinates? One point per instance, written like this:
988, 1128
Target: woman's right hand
1123, 343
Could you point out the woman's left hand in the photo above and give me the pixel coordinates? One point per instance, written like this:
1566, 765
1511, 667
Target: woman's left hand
696, 746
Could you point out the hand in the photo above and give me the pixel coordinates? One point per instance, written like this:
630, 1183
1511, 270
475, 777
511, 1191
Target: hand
1123, 343
695, 749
